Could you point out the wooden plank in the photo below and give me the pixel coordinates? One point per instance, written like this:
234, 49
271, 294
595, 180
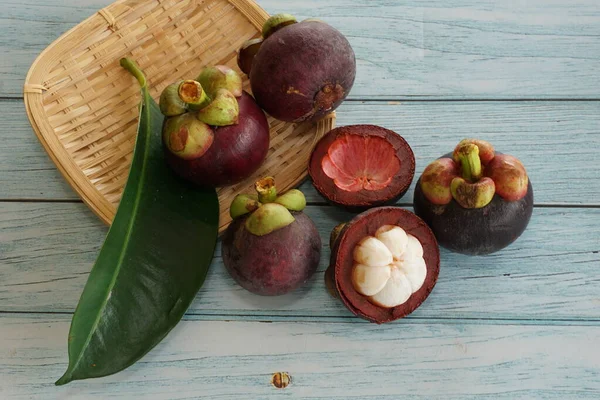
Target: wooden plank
557, 141
551, 272
26, 171
439, 48
233, 360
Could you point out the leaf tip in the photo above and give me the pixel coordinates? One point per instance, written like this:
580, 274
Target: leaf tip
66, 378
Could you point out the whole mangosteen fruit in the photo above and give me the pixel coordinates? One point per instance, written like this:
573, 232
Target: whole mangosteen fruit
477, 201
271, 247
213, 136
384, 264
362, 166
300, 71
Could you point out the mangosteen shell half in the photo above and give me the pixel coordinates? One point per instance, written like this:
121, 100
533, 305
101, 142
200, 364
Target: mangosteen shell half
274, 264
364, 199
342, 261
303, 71
236, 153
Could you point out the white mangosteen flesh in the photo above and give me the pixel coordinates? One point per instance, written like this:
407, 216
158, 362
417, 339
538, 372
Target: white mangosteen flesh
388, 267
373, 253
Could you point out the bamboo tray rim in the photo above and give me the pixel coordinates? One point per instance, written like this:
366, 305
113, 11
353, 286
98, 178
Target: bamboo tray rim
33, 91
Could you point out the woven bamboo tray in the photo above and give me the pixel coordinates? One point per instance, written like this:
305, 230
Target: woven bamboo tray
84, 107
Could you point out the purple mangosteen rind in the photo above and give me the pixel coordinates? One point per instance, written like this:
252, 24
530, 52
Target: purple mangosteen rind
303, 71
341, 262
479, 230
364, 199
274, 264
271, 247
236, 152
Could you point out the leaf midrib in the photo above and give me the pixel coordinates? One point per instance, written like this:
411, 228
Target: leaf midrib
129, 229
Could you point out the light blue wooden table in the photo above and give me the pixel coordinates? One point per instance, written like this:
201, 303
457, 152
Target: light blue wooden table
521, 324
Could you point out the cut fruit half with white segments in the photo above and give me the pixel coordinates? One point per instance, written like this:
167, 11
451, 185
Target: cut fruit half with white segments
389, 267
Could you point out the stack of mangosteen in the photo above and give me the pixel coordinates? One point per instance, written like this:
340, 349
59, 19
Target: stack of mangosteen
385, 261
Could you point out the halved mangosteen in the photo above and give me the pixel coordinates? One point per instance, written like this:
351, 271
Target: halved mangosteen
476, 200
384, 264
362, 166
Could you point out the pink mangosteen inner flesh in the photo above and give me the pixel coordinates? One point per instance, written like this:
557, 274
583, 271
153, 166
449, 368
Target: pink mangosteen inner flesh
356, 163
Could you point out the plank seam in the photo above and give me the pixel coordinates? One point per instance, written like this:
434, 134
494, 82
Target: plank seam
269, 318
426, 99
310, 203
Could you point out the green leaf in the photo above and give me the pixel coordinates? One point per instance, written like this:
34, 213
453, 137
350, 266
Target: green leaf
153, 262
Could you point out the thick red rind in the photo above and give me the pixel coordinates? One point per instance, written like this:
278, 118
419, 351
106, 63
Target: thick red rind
364, 198
366, 224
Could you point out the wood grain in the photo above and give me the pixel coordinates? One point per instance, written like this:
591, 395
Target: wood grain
557, 141
209, 359
415, 49
26, 171
551, 272
521, 324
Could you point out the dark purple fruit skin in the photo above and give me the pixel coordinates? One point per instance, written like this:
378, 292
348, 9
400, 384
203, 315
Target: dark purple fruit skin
276, 263
476, 231
236, 153
295, 63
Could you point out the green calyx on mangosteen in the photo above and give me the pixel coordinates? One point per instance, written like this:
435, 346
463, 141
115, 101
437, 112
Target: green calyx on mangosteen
187, 137
293, 200
230, 138
277, 22
300, 71
271, 247
268, 218
361, 166
384, 264
471, 190
220, 77
223, 110
243, 204
170, 103
476, 201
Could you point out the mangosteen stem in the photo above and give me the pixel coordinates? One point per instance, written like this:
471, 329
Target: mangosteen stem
192, 93
470, 163
134, 69
267, 192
